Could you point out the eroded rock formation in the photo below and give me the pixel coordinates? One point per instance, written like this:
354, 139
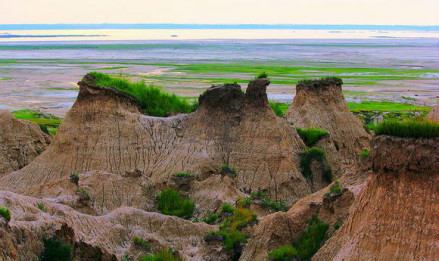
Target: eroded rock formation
20, 142
109, 236
321, 104
105, 131
396, 215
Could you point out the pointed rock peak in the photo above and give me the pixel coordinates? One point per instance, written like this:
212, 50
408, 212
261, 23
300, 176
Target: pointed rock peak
227, 96
257, 91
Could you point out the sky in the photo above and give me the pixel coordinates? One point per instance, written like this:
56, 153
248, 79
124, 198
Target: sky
375, 12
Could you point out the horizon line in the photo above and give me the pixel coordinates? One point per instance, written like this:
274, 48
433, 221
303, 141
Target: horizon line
56, 26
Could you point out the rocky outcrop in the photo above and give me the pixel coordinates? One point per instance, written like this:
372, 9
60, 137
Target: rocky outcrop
434, 114
20, 142
283, 228
321, 104
109, 236
396, 215
105, 131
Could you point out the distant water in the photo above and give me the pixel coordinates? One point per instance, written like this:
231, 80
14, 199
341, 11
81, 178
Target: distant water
206, 34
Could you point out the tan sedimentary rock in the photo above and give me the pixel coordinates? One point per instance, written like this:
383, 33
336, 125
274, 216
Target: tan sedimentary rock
20, 142
396, 215
110, 236
283, 228
321, 104
105, 131
434, 114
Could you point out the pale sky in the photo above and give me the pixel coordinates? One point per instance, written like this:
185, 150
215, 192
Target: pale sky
386, 12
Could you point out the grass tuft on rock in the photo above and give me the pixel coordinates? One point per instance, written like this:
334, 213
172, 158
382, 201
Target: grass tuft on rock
153, 99
364, 154
409, 128
169, 202
262, 75
311, 136
322, 81
306, 157
5, 213
283, 253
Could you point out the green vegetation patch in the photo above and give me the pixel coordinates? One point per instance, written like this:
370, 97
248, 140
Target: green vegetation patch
408, 128
55, 249
307, 245
140, 243
335, 188
226, 169
182, 174
311, 136
47, 122
364, 154
280, 109
266, 202
165, 254
262, 75
5, 213
169, 202
384, 106
153, 99
306, 158
41, 206
230, 230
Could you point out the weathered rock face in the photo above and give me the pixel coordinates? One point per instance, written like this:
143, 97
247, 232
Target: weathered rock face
109, 236
396, 215
105, 131
282, 228
320, 104
20, 142
434, 114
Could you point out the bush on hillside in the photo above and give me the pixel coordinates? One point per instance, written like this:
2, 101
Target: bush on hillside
140, 243
182, 174
169, 202
163, 255
153, 99
5, 213
408, 128
279, 108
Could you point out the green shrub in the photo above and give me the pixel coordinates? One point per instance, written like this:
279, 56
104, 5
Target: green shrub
74, 177
182, 174
244, 202
5, 213
83, 192
365, 154
163, 255
55, 249
169, 202
311, 136
283, 253
336, 187
231, 238
138, 242
327, 175
408, 128
227, 208
337, 225
280, 109
211, 218
41, 206
258, 195
153, 99
226, 169
275, 205
311, 240
306, 157
262, 75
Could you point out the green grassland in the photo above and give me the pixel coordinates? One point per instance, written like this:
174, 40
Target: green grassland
42, 119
